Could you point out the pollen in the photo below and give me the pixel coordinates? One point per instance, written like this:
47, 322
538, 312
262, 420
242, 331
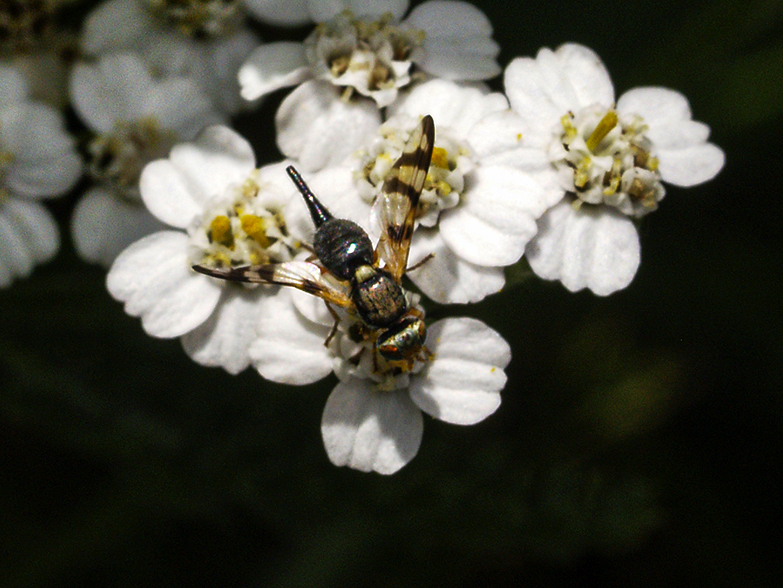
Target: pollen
440, 158
255, 227
220, 231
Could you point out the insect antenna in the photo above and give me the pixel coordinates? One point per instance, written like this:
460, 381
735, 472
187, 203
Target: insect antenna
318, 211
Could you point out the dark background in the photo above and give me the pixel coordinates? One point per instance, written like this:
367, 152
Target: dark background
638, 443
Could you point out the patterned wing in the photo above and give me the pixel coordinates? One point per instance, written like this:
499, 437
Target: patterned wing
303, 275
399, 198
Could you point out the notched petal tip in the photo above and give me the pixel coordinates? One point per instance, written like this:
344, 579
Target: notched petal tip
370, 431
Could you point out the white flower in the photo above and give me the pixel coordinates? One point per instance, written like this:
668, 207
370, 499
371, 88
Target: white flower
365, 50
135, 119
475, 215
206, 41
608, 158
223, 212
301, 12
32, 42
37, 160
372, 420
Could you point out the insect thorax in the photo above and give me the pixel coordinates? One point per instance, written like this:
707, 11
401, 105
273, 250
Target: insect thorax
379, 300
404, 341
342, 246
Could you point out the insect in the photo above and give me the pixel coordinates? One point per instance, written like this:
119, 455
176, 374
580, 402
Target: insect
344, 250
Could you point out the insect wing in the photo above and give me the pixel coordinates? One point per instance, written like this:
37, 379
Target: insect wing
303, 275
399, 198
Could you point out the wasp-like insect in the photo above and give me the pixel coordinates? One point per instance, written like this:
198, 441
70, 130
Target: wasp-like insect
344, 250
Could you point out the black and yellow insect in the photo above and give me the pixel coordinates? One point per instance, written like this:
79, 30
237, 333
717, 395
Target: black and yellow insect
344, 250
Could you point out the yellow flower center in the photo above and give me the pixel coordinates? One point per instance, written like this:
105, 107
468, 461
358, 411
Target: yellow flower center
244, 229
200, 19
366, 56
604, 158
117, 157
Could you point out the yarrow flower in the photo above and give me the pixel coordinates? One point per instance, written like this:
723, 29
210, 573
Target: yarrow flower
223, 213
476, 214
205, 40
610, 160
368, 51
32, 42
135, 119
372, 420
37, 160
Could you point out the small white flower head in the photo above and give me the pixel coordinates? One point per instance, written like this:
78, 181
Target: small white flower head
32, 42
301, 12
369, 49
224, 213
372, 420
38, 160
205, 40
199, 18
610, 160
371, 57
135, 119
475, 216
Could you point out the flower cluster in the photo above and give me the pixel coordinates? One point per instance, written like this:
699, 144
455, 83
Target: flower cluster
552, 171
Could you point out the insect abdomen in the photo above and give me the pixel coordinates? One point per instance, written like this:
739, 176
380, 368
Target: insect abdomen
378, 298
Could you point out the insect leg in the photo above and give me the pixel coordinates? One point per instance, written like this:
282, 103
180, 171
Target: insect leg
336, 318
420, 263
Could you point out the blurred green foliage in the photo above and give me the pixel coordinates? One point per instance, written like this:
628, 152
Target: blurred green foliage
638, 442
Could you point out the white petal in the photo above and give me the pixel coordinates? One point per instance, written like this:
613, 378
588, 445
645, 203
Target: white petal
224, 338
585, 74
685, 157
543, 89
370, 430
109, 90
319, 129
154, 279
657, 106
103, 224
594, 247
13, 86
176, 189
498, 132
101, 32
120, 88
451, 105
285, 13
462, 384
460, 59
336, 188
376, 8
45, 162
496, 216
458, 42
446, 18
28, 236
323, 10
691, 165
179, 104
667, 115
272, 66
446, 278
223, 58
289, 348
535, 163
